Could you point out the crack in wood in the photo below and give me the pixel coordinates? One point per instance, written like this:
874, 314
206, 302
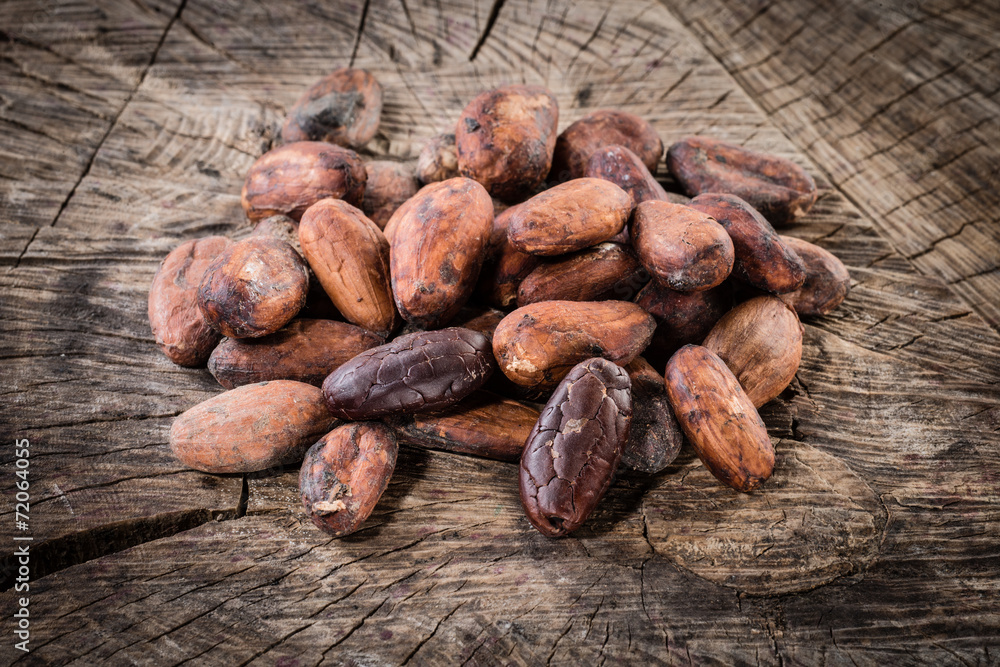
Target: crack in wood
490, 21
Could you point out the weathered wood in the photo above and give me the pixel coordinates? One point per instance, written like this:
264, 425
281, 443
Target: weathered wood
875, 541
897, 103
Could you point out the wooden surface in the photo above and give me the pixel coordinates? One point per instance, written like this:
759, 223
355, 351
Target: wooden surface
129, 127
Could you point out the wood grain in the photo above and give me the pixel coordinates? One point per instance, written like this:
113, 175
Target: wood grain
873, 543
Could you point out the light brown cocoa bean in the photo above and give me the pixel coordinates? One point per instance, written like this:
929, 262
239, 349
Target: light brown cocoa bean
571, 216
505, 138
178, 326
343, 108
682, 248
253, 288
438, 245
251, 428
827, 280
538, 344
761, 342
350, 257
719, 419
304, 351
779, 189
438, 159
289, 179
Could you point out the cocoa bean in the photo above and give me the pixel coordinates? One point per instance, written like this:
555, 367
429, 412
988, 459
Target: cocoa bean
605, 271
289, 179
343, 108
826, 284
655, 438
425, 370
603, 128
572, 453
178, 326
681, 317
438, 159
778, 188
624, 168
719, 419
253, 288
389, 184
345, 474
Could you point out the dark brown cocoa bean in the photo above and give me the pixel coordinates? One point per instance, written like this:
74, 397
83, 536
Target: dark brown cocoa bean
438, 159
681, 317
763, 260
343, 108
305, 351
571, 216
719, 419
178, 326
572, 453
345, 474
655, 438
289, 179
437, 250
624, 168
484, 424
505, 138
425, 370
253, 288
603, 272
778, 188
389, 185
827, 280
603, 128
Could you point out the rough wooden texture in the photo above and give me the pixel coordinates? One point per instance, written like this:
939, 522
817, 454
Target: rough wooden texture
130, 128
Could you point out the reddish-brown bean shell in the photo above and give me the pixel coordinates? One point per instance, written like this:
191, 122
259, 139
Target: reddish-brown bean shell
719, 419
655, 437
289, 179
437, 250
572, 453
350, 257
681, 317
438, 159
343, 108
178, 326
827, 280
605, 271
304, 351
624, 168
604, 128
253, 288
251, 428
570, 216
505, 138
682, 248
344, 475
389, 184
780, 189
763, 260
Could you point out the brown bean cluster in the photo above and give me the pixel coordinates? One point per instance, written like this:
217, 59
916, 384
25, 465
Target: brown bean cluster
518, 294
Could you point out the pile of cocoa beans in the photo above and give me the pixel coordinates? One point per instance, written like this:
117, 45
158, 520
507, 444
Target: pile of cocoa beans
493, 301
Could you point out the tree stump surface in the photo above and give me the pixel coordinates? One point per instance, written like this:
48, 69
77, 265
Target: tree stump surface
128, 128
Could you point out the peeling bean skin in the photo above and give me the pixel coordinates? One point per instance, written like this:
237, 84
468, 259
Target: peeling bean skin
425, 370
571, 455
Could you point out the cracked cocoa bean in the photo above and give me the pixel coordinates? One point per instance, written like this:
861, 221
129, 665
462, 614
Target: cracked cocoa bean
289, 179
178, 326
343, 108
827, 280
603, 128
718, 418
572, 453
780, 189
571, 216
424, 370
505, 138
305, 351
344, 475
483, 425
253, 288
763, 259
684, 249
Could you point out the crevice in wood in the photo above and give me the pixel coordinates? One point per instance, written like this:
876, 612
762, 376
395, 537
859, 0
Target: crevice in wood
69, 550
492, 19
26, 246
114, 121
361, 30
